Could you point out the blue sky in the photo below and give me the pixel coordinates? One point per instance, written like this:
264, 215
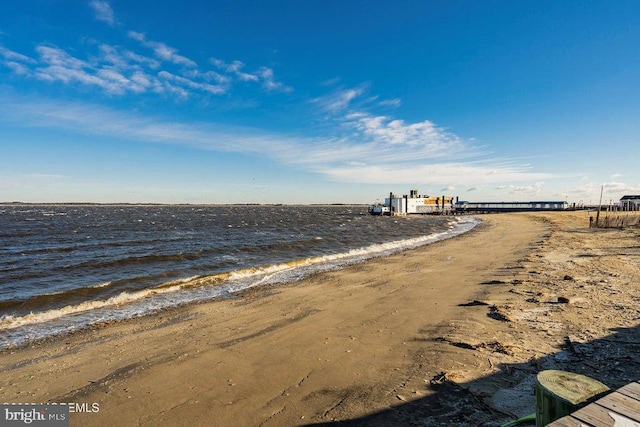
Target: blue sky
318, 101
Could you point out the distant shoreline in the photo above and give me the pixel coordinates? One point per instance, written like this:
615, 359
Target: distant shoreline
173, 204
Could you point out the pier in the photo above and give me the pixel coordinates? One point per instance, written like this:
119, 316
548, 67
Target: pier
415, 203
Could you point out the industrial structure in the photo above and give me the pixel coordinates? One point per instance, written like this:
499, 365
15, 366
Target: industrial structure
414, 203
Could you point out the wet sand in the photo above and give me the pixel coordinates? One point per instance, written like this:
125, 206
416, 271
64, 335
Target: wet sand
448, 334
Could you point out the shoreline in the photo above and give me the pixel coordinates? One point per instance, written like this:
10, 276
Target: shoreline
447, 331
23, 329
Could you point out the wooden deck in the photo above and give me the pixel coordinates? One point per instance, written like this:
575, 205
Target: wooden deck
620, 409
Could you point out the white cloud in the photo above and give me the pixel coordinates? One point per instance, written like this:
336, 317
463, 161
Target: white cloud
123, 59
339, 159
114, 70
269, 82
528, 190
396, 102
14, 56
338, 101
424, 138
264, 74
162, 51
212, 75
620, 187
92, 119
183, 81
136, 36
103, 11
452, 174
385, 150
18, 68
141, 59
142, 80
58, 57
119, 71
331, 82
234, 68
58, 65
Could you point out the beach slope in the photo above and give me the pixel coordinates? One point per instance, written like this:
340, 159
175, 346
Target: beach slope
354, 344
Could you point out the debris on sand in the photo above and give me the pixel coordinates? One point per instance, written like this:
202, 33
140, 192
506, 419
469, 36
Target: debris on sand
473, 303
494, 282
498, 313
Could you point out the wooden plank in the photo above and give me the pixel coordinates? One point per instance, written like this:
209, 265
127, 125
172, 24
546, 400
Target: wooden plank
597, 415
621, 404
632, 390
569, 421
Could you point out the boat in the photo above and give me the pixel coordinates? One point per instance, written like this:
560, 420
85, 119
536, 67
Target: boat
379, 209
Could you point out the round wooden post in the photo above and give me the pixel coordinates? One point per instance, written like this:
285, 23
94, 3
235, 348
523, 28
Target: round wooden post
559, 393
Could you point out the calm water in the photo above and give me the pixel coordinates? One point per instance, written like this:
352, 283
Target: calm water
63, 267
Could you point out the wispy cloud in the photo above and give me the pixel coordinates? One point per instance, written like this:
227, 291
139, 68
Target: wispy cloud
337, 159
124, 59
269, 82
452, 174
56, 65
341, 159
103, 11
183, 81
263, 74
362, 145
15, 56
338, 101
17, 68
235, 68
91, 119
386, 150
119, 71
162, 50
331, 82
396, 102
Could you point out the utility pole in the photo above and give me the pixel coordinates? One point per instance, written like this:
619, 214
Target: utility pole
599, 206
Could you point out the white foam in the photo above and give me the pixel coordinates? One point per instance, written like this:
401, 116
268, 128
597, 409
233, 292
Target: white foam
12, 322
101, 285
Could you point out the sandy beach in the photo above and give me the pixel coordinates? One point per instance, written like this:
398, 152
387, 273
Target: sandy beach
451, 333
